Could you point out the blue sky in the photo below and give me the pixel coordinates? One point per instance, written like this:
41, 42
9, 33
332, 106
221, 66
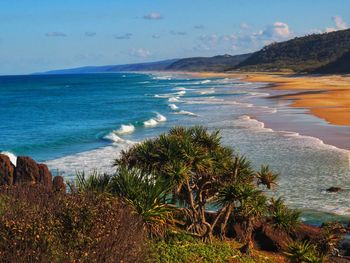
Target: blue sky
37, 35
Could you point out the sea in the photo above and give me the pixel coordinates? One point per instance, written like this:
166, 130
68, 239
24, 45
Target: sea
82, 122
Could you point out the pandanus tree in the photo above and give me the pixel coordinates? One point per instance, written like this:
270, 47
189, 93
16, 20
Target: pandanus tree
144, 193
194, 163
282, 218
266, 177
247, 204
200, 171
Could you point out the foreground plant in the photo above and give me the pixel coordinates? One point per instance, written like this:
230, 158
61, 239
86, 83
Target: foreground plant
304, 252
144, 193
37, 225
197, 167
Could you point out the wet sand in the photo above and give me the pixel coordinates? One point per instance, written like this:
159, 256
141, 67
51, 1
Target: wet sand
325, 98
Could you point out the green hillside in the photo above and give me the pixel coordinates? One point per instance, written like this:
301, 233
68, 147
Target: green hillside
341, 65
301, 54
217, 63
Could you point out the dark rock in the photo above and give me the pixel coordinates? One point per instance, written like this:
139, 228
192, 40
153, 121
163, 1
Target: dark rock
26, 170
334, 189
58, 184
45, 176
7, 170
269, 239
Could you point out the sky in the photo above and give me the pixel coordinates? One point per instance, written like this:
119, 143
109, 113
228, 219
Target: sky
38, 35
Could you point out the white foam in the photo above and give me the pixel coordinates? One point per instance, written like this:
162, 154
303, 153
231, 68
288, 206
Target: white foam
160, 118
13, 157
242, 104
181, 93
124, 129
173, 106
114, 138
150, 123
181, 89
183, 112
205, 81
162, 77
99, 159
251, 124
173, 99
163, 96
207, 91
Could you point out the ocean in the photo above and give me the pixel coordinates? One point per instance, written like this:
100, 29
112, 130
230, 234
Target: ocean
82, 122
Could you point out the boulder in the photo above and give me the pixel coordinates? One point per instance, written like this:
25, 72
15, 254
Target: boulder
58, 184
334, 189
7, 170
269, 239
45, 176
26, 170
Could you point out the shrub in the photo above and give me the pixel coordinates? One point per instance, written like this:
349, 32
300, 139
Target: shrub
187, 249
304, 252
41, 226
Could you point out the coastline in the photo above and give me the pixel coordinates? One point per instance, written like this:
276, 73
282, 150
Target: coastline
325, 98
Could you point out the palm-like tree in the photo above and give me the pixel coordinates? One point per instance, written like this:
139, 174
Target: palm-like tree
247, 204
266, 177
192, 161
283, 218
95, 182
147, 196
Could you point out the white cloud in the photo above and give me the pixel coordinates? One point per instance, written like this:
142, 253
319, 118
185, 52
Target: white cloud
339, 22
244, 40
244, 26
140, 53
55, 34
153, 16
276, 31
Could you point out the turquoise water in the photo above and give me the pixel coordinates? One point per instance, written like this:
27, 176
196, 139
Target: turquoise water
52, 116
82, 122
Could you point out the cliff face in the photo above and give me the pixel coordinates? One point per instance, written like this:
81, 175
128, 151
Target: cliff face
28, 171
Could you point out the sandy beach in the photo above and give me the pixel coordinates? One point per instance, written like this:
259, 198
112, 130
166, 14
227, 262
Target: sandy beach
327, 97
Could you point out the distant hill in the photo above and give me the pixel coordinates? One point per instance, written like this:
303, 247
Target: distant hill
301, 54
217, 63
149, 66
341, 65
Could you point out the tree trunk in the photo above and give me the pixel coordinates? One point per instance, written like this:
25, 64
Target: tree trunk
249, 237
224, 224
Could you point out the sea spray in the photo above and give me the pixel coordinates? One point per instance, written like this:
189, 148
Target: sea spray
125, 129
13, 157
173, 106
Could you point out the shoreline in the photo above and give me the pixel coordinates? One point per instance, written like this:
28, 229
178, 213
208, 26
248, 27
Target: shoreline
325, 96
317, 97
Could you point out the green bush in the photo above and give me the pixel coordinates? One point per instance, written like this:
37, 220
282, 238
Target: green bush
192, 250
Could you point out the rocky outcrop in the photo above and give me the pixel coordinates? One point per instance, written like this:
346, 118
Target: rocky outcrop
58, 184
26, 171
45, 176
269, 239
334, 189
29, 172
7, 170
